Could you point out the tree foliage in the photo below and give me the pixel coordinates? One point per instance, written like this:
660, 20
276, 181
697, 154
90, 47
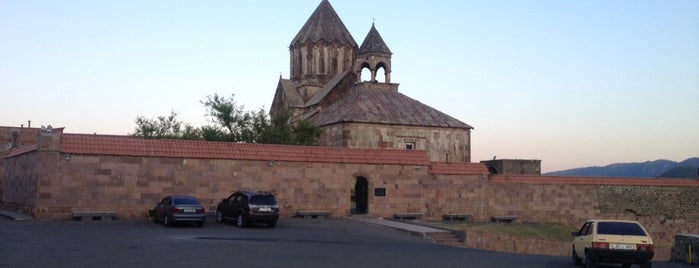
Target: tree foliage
165, 127
231, 123
282, 131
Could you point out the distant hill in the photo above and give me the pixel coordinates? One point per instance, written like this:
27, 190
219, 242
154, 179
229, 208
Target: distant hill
650, 169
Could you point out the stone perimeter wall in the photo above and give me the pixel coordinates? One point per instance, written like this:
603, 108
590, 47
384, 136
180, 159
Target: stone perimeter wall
49, 185
664, 211
132, 185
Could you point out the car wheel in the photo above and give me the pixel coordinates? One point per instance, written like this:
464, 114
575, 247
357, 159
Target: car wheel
219, 216
271, 224
155, 218
167, 221
589, 261
240, 220
577, 260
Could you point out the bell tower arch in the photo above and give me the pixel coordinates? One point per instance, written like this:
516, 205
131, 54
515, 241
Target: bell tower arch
374, 55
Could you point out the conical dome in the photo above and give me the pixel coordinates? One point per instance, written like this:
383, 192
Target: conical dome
324, 24
373, 43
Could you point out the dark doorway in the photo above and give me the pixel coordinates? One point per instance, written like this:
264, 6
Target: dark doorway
360, 196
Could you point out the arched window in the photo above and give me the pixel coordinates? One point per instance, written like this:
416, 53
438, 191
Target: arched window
366, 72
381, 72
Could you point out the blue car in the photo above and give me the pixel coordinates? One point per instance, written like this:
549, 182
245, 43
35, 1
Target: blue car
179, 208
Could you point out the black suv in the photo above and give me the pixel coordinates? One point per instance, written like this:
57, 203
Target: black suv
249, 207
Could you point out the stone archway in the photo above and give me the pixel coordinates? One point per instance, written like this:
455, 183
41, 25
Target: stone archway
360, 196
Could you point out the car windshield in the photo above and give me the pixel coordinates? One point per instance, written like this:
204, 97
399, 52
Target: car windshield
620, 228
263, 200
185, 201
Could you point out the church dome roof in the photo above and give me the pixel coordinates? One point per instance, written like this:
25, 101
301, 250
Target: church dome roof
324, 24
373, 43
387, 107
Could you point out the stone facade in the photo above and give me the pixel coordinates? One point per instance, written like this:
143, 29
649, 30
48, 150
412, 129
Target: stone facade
49, 182
13, 137
441, 144
514, 166
325, 88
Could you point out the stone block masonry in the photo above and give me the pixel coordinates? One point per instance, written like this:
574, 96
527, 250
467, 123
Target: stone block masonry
50, 182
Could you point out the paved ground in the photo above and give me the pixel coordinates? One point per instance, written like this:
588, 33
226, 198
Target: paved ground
293, 243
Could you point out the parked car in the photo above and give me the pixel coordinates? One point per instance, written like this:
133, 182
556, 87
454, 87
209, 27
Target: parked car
179, 208
245, 208
612, 241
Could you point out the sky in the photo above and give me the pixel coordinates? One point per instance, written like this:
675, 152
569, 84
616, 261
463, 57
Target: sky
571, 83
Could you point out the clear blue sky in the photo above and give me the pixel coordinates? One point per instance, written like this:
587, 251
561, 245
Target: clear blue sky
573, 83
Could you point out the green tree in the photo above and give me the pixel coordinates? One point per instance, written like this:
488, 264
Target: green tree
231, 117
165, 127
231, 123
282, 131
279, 132
306, 133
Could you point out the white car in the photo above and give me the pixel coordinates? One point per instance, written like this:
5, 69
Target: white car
612, 241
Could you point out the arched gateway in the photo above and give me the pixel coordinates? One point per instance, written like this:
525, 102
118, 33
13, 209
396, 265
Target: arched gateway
360, 196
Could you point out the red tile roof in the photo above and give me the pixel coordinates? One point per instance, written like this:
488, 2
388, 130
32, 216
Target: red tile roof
458, 168
619, 181
132, 146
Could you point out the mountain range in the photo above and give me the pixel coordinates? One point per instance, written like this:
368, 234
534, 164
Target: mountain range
650, 169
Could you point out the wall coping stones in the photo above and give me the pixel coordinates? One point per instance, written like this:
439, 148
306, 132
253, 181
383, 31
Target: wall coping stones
618, 181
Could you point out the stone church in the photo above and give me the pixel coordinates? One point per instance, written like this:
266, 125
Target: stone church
326, 88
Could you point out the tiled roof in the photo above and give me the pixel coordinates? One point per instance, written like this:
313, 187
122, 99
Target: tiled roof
324, 24
22, 150
327, 88
373, 43
364, 105
291, 95
458, 168
138, 147
616, 181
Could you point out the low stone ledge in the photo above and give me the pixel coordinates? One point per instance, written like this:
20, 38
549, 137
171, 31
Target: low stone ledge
456, 217
514, 244
407, 216
503, 219
315, 214
94, 215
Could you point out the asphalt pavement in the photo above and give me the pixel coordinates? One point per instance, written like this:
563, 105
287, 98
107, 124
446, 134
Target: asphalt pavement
357, 242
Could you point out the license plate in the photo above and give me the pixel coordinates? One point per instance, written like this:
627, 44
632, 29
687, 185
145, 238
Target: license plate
624, 246
264, 209
189, 210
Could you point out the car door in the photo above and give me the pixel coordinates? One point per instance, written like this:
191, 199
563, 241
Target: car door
241, 204
227, 207
583, 239
163, 207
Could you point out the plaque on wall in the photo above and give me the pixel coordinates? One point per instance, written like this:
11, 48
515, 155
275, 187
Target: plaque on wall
379, 191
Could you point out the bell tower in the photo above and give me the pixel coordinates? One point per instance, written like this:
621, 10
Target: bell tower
374, 55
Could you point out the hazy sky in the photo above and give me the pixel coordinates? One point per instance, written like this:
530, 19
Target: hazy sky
572, 83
